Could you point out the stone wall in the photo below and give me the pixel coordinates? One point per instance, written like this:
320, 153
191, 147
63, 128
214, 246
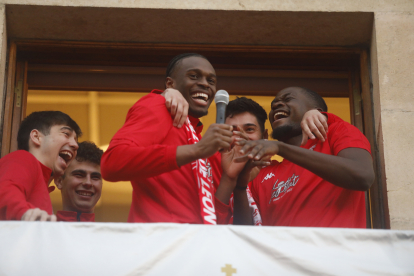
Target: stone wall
392, 59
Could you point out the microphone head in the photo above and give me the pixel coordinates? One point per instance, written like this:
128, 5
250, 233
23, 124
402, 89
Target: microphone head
221, 97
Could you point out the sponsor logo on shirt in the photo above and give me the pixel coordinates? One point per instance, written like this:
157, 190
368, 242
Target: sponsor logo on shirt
268, 176
283, 187
311, 148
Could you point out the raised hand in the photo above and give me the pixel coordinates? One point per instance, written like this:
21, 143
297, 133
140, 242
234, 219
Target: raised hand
217, 137
313, 124
177, 106
231, 168
257, 150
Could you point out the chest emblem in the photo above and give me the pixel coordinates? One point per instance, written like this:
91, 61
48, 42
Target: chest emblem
283, 187
268, 176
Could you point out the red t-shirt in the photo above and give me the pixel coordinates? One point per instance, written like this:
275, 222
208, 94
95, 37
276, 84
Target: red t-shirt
75, 216
23, 185
143, 151
289, 195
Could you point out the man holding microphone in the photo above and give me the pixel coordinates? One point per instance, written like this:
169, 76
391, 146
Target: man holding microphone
170, 168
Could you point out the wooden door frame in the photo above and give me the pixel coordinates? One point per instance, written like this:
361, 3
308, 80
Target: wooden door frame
360, 98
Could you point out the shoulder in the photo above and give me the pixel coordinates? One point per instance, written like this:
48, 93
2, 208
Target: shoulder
21, 157
149, 100
343, 135
339, 125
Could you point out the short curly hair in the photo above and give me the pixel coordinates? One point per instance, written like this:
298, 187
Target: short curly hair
88, 151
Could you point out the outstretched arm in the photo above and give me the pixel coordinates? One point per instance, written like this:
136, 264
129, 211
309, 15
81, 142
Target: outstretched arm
351, 169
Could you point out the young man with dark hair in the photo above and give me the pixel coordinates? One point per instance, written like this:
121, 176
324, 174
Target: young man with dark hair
247, 117
170, 168
81, 185
320, 184
47, 142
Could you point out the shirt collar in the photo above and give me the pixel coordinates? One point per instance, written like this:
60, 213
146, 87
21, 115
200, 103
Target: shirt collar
196, 123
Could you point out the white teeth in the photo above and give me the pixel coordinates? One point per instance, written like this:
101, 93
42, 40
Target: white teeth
202, 95
69, 154
282, 113
84, 193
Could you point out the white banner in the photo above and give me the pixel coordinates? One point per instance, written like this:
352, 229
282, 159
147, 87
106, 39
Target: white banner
63, 248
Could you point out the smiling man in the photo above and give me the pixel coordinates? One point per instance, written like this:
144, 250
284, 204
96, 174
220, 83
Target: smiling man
320, 184
170, 168
47, 142
81, 185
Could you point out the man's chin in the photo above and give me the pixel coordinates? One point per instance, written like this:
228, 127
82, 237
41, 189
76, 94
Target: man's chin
197, 112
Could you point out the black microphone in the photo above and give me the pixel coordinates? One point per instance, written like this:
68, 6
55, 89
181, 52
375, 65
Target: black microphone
222, 100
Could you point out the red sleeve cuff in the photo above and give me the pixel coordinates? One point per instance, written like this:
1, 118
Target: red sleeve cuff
171, 158
223, 212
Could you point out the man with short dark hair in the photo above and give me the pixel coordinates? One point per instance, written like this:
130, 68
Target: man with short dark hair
319, 184
247, 117
170, 168
47, 142
81, 185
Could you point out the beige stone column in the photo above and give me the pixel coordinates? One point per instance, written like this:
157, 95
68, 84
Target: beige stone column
392, 56
3, 56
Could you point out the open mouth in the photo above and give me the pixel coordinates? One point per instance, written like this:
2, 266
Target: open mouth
66, 155
280, 115
85, 193
202, 97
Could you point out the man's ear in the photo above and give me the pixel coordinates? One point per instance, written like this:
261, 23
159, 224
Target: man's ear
58, 182
169, 82
265, 134
319, 109
35, 137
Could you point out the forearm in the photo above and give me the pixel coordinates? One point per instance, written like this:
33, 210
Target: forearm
242, 213
344, 171
187, 154
225, 188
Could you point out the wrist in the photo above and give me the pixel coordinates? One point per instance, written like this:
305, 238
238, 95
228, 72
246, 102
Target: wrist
241, 188
281, 148
186, 154
228, 178
239, 192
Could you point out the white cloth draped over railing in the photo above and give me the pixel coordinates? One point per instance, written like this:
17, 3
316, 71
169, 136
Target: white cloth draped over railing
63, 248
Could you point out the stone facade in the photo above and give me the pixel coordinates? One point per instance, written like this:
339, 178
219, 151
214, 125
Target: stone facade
391, 48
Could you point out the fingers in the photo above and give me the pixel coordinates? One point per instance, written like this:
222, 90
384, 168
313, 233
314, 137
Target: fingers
177, 106
257, 150
223, 135
305, 138
184, 114
260, 163
43, 216
52, 218
37, 214
241, 134
306, 131
314, 124
179, 111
